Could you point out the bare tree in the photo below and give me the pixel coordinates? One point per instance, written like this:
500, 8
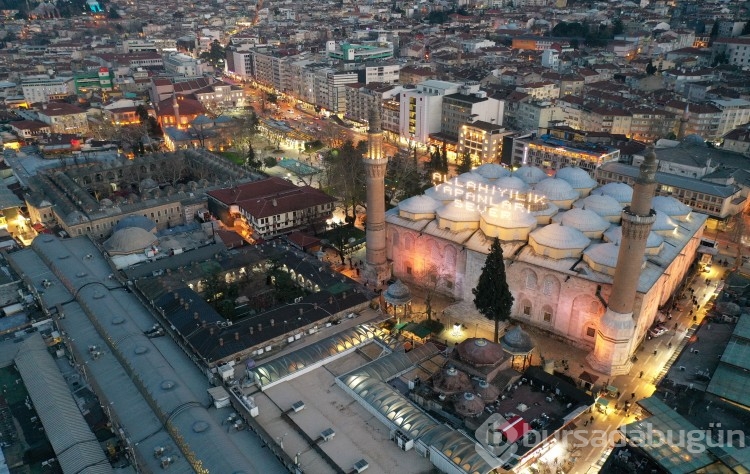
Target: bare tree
433, 277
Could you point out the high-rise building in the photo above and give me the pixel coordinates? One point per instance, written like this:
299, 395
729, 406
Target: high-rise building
615, 341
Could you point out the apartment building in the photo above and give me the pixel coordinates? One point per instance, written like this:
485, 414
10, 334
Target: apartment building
360, 98
482, 140
530, 116
64, 118
543, 90
735, 50
420, 109
551, 153
43, 88
468, 105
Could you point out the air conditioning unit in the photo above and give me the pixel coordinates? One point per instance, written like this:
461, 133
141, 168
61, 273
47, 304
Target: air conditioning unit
298, 406
328, 434
361, 465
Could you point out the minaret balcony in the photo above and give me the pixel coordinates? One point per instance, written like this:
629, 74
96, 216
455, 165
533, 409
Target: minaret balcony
631, 217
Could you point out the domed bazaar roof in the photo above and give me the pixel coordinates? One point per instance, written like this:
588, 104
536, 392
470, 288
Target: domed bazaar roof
468, 405
419, 204
480, 352
129, 240
620, 191
492, 171
556, 189
135, 221
614, 235
517, 341
530, 174
487, 392
511, 182
603, 204
576, 177
603, 254
663, 223
509, 218
584, 220
670, 206
457, 212
397, 294
558, 236
451, 380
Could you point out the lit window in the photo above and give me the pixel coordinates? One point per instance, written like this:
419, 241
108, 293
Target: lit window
527, 310
590, 332
547, 317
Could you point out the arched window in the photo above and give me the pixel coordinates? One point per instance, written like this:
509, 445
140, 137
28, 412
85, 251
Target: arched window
531, 280
394, 239
549, 285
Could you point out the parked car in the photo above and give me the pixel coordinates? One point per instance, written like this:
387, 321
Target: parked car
657, 331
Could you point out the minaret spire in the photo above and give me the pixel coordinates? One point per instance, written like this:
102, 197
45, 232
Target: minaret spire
616, 332
683, 122
376, 262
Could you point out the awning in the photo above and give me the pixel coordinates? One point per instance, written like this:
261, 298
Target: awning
602, 401
587, 377
612, 389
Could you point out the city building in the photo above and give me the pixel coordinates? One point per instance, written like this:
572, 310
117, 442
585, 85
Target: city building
552, 153
271, 207
420, 109
63, 117
361, 98
43, 88
358, 53
483, 141
467, 105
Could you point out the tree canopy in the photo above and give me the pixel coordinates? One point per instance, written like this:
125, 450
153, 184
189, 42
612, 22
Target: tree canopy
492, 296
345, 175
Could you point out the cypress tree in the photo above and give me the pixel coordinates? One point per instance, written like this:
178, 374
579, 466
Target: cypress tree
492, 296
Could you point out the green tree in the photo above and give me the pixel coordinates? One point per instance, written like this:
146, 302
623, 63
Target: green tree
345, 175
252, 161
215, 54
492, 296
650, 68
465, 165
617, 26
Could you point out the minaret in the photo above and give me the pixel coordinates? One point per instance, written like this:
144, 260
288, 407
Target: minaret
376, 263
683, 122
176, 107
614, 338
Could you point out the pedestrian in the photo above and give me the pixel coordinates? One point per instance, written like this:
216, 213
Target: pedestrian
669, 345
654, 352
632, 395
640, 376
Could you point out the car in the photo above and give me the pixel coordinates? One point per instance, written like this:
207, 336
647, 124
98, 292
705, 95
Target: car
657, 331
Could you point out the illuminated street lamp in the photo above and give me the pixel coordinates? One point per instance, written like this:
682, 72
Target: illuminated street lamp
456, 330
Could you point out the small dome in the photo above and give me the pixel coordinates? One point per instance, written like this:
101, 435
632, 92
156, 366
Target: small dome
614, 235
602, 254
577, 177
135, 220
147, 184
509, 218
450, 381
694, 139
492, 171
620, 191
456, 211
584, 220
517, 341
543, 213
442, 193
670, 206
471, 177
420, 205
603, 204
75, 217
663, 223
130, 240
480, 352
558, 236
468, 405
530, 174
487, 392
512, 183
397, 294
556, 189
106, 202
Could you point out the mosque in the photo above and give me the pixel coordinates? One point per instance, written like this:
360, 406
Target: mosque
561, 238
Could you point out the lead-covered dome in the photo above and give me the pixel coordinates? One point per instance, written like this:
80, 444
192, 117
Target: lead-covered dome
492, 171
486, 391
556, 190
397, 294
480, 352
654, 241
530, 174
468, 404
588, 222
511, 183
663, 224
418, 207
602, 257
558, 241
577, 177
517, 341
603, 204
671, 207
136, 221
458, 216
507, 223
442, 193
130, 240
620, 191
451, 380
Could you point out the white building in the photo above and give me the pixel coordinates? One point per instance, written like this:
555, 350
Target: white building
382, 72
734, 112
531, 116
181, 64
42, 88
420, 109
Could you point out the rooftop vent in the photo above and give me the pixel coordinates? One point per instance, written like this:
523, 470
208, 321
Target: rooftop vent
361, 465
328, 434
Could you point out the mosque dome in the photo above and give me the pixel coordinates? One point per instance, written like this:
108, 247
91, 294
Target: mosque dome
455, 216
654, 241
492, 171
620, 191
507, 224
135, 220
418, 207
516, 341
577, 177
451, 380
397, 294
470, 177
588, 222
129, 240
556, 189
544, 212
486, 391
468, 404
530, 174
558, 241
671, 206
663, 224
512, 182
75, 217
602, 257
480, 352
442, 192
603, 204
694, 139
